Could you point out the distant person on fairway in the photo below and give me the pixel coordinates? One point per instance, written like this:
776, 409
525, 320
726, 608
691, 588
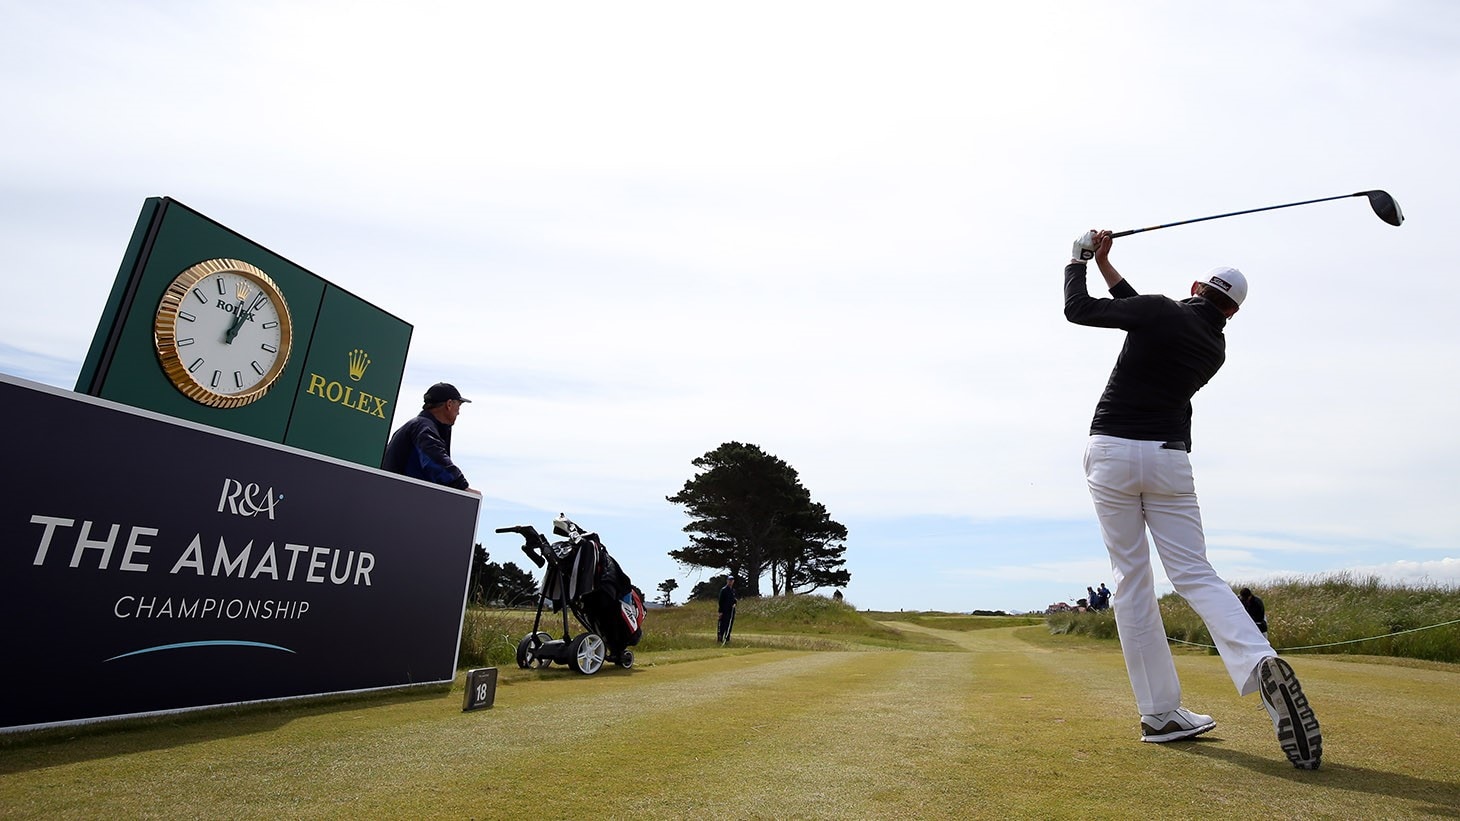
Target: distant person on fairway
1138, 468
727, 610
421, 448
1254, 608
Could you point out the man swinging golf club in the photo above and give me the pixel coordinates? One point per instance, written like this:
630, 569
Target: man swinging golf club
1139, 473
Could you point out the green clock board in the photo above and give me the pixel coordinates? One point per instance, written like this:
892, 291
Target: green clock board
206, 325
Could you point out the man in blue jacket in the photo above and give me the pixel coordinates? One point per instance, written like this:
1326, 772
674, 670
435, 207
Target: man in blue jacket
421, 448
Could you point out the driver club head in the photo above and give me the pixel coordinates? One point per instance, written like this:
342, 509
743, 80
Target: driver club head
1384, 206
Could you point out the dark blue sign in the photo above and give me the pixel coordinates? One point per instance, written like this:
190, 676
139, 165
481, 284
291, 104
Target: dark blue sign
149, 565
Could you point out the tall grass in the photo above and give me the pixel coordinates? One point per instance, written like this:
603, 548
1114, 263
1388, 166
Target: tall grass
1099, 625
489, 637
1333, 613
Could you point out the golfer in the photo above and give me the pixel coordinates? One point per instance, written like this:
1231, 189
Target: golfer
728, 598
1139, 472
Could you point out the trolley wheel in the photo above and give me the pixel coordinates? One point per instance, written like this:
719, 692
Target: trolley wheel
626, 659
527, 650
585, 654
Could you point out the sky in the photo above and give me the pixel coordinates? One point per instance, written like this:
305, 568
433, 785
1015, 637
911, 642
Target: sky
632, 232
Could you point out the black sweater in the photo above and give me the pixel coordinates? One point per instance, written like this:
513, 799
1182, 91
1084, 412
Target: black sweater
1171, 350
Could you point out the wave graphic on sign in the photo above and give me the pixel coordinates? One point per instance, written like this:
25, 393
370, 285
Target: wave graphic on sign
187, 644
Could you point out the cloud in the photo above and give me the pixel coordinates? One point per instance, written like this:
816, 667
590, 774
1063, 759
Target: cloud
835, 231
1443, 572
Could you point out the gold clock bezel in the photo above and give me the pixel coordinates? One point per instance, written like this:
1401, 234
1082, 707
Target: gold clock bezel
164, 333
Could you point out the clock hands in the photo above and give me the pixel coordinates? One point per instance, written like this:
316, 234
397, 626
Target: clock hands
239, 318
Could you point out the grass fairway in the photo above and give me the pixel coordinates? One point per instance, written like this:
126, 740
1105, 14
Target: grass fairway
1012, 723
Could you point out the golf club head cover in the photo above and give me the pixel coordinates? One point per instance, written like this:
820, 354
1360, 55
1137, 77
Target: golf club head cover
1084, 247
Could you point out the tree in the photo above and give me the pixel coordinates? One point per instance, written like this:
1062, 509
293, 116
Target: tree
667, 587
500, 584
476, 585
750, 514
515, 586
811, 554
707, 590
735, 502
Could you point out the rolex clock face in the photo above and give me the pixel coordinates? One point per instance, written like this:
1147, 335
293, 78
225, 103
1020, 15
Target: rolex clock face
222, 333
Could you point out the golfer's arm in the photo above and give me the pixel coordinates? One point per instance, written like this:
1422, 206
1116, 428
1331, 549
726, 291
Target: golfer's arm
1112, 276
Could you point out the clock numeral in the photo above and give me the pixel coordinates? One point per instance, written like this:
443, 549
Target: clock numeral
238, 379
269, 348
257, 368
271, 325
217, 376
193, 368
185, 315
182, 342
257, 303
221, 289
199, 294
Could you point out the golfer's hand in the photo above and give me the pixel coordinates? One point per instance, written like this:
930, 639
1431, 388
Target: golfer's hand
1084, 248
1103, 241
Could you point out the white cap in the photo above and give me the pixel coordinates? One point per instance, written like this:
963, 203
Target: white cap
1229, 281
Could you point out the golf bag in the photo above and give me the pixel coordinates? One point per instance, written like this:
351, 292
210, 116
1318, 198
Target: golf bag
580, 576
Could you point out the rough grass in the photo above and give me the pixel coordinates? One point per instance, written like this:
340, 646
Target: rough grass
1322, 614
489, 637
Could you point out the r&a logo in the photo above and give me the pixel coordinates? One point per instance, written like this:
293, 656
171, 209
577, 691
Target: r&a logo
248, 500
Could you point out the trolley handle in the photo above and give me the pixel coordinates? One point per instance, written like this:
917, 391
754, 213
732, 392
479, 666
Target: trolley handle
533, 541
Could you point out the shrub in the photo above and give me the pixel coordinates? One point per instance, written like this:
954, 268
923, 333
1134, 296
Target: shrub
1098, 624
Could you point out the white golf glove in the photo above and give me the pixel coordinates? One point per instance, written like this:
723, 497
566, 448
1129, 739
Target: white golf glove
1084, 247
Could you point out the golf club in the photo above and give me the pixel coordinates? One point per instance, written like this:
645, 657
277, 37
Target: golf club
729, 627
1383, 204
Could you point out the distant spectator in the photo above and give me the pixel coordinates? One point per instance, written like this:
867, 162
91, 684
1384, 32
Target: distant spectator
1254, 608
728, 598
1102, 597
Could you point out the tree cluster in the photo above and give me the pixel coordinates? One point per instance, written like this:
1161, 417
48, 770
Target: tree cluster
501, 585
751, 516
708, 589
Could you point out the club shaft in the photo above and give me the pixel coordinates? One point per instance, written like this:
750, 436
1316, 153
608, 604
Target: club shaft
1233, 214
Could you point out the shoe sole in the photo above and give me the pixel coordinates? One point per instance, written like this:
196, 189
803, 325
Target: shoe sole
1178, 735
1297, 727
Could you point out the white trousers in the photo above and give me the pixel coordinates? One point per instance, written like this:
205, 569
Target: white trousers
1139, 486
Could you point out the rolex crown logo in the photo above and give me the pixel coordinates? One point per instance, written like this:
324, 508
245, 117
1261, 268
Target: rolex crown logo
243, 290
359, 361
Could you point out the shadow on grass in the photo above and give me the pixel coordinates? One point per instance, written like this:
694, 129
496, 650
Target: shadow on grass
1440, 798
59, 746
